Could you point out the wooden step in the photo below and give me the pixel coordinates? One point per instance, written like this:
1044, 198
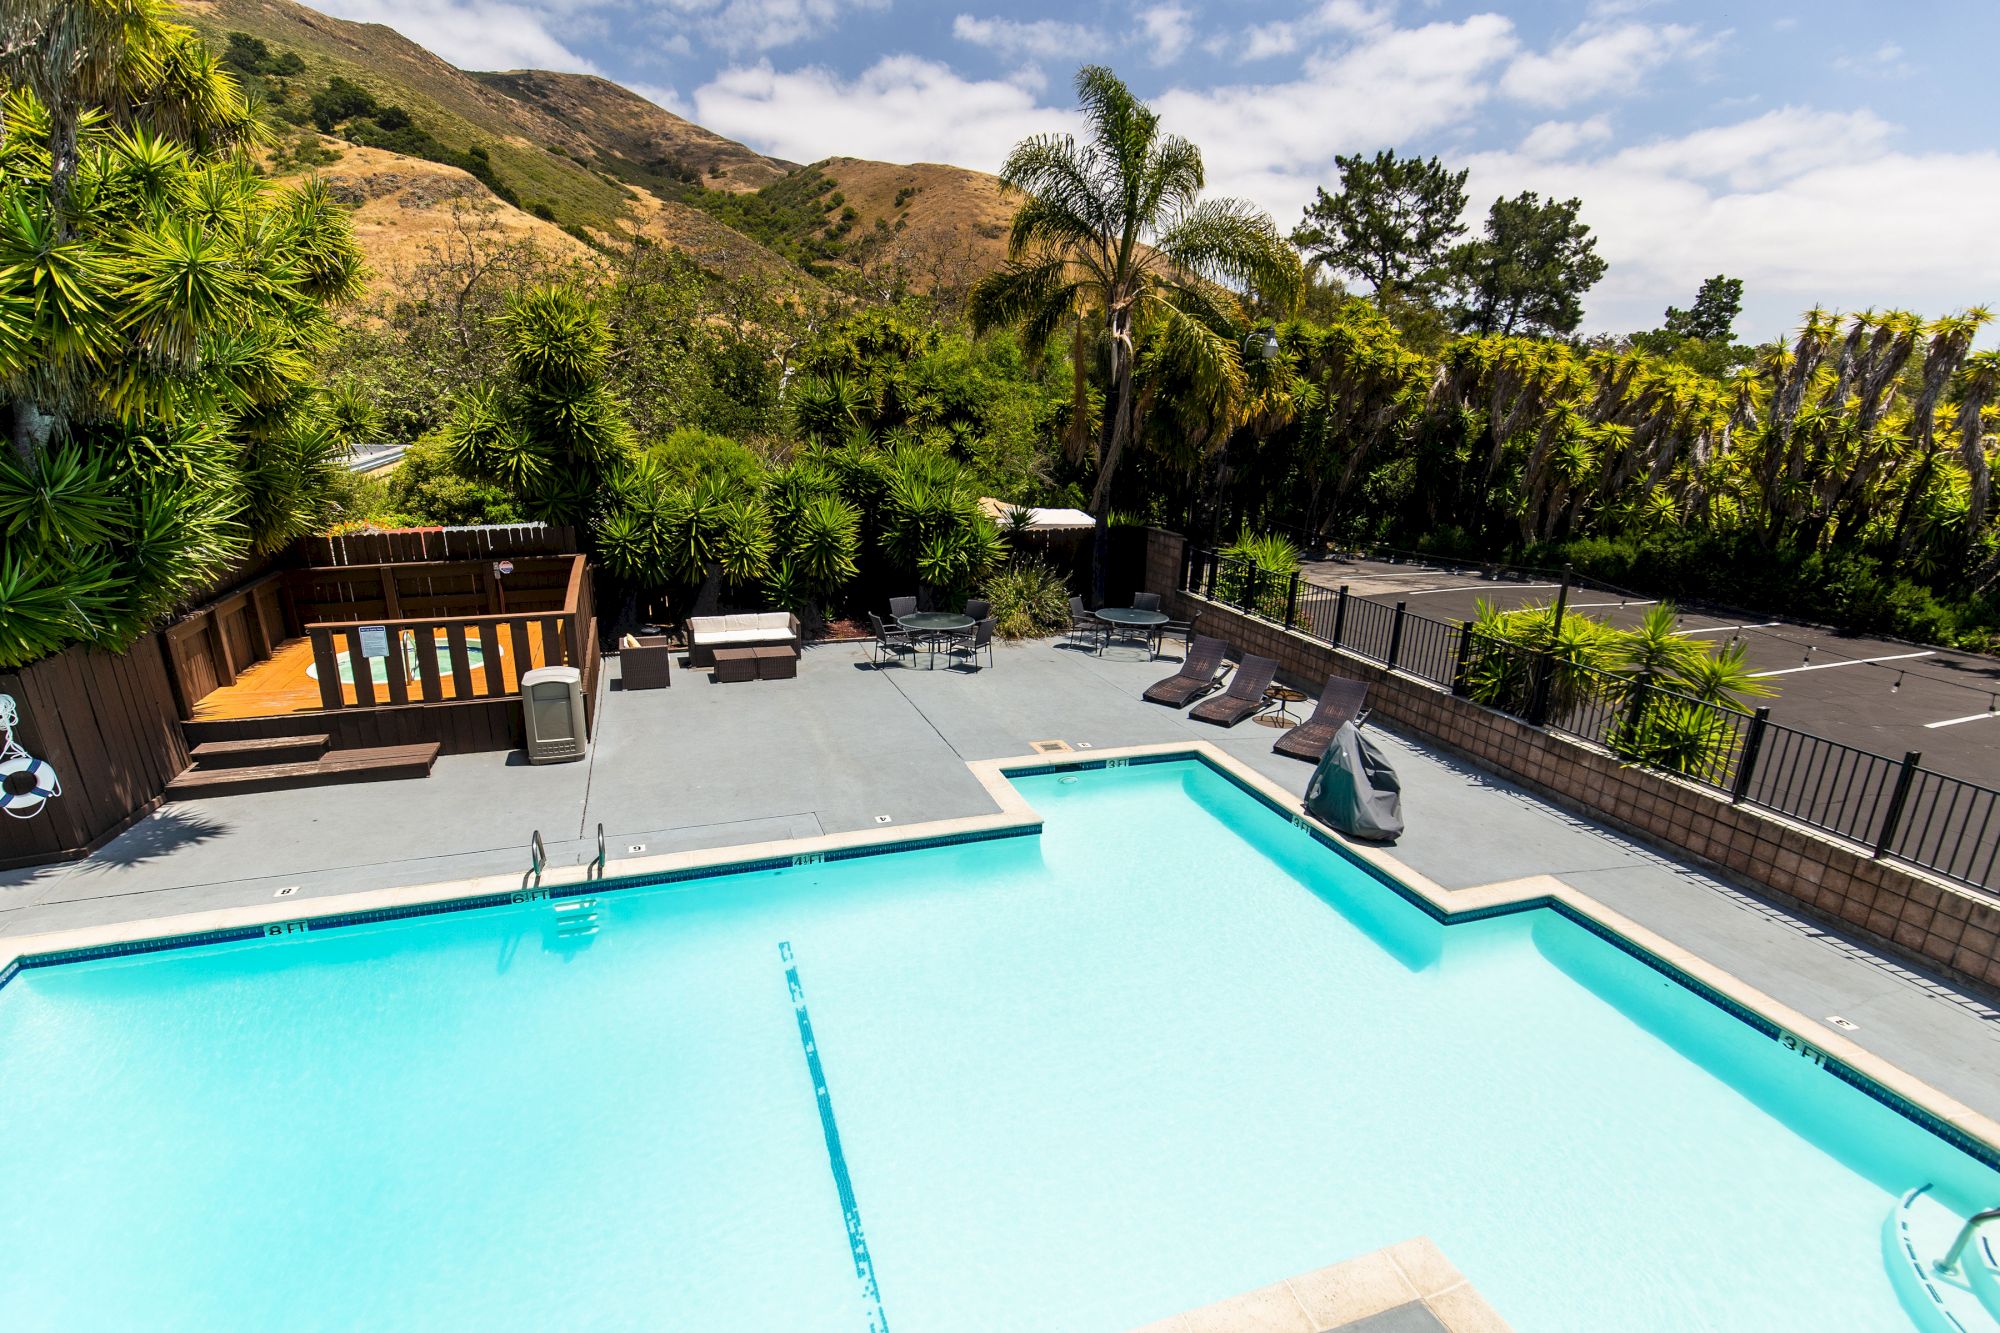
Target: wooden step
375, 764
263, 750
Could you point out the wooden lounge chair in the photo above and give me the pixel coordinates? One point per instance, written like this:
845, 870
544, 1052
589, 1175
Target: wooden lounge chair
1245, 694
1200, 672
1341, 701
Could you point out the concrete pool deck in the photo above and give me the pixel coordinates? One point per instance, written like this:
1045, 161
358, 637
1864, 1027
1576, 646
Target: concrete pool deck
845, 748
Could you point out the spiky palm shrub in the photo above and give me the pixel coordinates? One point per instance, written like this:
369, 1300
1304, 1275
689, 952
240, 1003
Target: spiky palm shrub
160, 309
1256, 573
932, 527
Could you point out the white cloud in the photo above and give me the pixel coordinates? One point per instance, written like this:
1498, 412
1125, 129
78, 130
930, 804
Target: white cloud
1560, 138
472, 34
901, 109
1885, 62
1168, 30
1284, 36
1597, 59
762, 25
1806, 207
1274, 142
1043, 39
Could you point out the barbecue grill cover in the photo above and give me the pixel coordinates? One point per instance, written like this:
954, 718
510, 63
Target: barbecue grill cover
1355, 790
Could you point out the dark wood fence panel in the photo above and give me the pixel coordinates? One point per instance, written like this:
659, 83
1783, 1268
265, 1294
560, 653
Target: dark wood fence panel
409, 545
109, 723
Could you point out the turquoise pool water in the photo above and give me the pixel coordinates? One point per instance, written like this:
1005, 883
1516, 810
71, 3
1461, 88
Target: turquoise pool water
1167, 1051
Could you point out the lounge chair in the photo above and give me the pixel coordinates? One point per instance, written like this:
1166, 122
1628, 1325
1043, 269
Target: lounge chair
1341, 701
1245, 694
1200, 672
894, 642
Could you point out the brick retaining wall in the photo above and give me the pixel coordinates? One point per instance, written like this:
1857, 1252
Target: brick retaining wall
1943, 925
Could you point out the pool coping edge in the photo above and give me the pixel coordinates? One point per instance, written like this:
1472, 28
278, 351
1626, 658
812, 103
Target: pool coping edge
1878, 1077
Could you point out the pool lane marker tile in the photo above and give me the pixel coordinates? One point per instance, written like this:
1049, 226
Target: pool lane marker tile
857, 1240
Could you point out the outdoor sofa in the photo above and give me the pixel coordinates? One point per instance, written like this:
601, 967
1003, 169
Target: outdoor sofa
750, 629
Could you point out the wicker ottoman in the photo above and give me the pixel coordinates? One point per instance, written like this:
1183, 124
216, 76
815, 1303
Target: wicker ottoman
734, 664
777, 662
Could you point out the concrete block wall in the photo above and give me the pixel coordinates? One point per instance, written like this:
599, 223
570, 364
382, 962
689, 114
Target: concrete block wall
1949, 928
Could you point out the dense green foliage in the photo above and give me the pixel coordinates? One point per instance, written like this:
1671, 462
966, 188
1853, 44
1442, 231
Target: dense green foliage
1029, 599
1663, 689
160, 310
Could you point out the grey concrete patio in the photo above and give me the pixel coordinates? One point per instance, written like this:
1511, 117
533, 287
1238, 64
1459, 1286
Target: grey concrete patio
845, 746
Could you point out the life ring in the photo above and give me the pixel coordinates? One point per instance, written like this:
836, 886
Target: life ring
20, 799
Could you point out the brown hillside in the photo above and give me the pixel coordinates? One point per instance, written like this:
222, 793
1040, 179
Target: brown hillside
406, 209
953, 221
622, 124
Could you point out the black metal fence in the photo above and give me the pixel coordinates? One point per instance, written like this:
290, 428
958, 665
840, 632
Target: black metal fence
1894, 807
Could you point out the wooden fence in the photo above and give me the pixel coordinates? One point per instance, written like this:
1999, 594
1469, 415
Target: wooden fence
215, 643
109, 723
556, 625
411, 545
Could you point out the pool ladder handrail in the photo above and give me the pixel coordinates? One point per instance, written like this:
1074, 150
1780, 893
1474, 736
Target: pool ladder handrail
599, 874
1951, 1256
538, 855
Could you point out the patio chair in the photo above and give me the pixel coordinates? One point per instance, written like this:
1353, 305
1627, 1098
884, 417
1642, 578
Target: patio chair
1244, 696
902, 606
1176, 629
1200, 672
978, 608
1341, 701
968, 643
1082, 624
894, 642
1145, 601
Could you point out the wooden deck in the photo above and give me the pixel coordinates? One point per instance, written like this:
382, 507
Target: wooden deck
284, 683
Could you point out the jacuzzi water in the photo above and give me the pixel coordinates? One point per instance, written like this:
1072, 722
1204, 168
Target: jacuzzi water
1170, 1050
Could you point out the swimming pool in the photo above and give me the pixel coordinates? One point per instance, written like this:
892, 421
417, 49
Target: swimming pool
1168, 1050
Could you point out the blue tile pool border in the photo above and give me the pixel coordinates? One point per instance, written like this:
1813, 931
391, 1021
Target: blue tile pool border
1981, 1151
527, 893
1924, 1118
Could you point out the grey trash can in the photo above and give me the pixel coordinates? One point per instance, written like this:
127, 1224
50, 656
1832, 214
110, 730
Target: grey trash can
1355, 790
552, 714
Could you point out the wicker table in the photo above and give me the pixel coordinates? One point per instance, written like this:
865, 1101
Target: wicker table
735, 664
1283, 696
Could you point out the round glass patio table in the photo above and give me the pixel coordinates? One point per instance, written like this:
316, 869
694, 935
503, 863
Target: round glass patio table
935, 626
1136, 623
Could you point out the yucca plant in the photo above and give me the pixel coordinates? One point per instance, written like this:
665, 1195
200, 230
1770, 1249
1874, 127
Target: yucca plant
1256, 573
161, 307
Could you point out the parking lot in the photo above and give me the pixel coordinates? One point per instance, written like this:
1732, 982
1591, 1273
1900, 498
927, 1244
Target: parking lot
1880, 695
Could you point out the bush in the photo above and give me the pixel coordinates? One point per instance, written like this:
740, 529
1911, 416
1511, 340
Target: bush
1030, 600
1266, 560
428, 487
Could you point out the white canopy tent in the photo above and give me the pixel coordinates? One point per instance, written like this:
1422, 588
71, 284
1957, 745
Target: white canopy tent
1041, 520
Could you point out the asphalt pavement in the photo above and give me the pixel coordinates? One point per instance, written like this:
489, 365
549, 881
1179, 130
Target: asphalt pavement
1881, 695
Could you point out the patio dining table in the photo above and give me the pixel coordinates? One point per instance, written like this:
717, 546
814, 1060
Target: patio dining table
935, 626
1136, 624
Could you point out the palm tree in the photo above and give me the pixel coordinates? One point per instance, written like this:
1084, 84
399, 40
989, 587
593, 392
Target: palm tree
1114, 235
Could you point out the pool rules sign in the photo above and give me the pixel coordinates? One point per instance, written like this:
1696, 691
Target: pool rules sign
374, 640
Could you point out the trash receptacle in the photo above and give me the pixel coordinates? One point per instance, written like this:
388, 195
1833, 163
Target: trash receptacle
552, 712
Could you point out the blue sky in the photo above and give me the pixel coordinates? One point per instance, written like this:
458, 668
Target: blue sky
1833, 152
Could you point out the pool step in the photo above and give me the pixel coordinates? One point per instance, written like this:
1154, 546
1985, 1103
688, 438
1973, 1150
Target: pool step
372, 764
576, 918
263, 750
1915, 1235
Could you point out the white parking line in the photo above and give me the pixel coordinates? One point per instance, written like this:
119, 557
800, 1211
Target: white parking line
1468, 587
1731, 629
1858, 661
1954, 721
